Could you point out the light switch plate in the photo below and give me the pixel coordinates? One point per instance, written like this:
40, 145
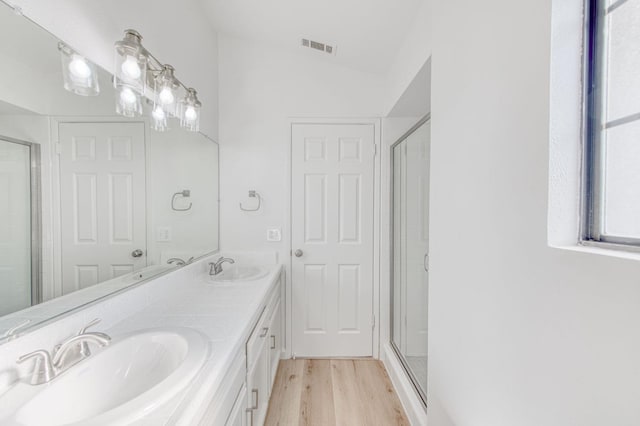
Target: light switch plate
274, 235
163, 234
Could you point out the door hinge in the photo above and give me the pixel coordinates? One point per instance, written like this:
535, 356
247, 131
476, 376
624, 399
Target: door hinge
375, 149
373, 322
58, 148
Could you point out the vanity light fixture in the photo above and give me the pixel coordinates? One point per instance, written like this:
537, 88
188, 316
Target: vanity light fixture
139, 72
80, 76
189, 111
166, 87
131, 62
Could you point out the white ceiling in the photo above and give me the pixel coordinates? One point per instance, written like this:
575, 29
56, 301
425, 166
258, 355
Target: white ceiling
367, 33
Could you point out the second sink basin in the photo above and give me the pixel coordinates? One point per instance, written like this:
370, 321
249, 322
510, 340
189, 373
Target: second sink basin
240, 273
128, 379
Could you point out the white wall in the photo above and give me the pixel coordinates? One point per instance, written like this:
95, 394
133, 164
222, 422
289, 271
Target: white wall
260, 89
177, 33
520, 333
411, 56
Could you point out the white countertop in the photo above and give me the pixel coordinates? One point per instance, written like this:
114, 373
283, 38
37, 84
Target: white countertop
225, 313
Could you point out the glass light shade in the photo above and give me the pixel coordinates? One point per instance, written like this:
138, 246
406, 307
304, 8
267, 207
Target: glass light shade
80, 75
131, 62
189, 111
128, 102
159, 119
166, 90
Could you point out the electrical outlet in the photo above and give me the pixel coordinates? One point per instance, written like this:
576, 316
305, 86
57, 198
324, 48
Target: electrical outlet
163, 234
274, 235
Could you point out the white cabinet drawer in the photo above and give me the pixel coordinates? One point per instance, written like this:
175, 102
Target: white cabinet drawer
275, 340
257, 340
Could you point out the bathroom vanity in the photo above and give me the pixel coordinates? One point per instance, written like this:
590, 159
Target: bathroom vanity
234, 387
194, 349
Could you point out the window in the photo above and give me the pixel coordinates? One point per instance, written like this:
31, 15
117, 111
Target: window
612, 123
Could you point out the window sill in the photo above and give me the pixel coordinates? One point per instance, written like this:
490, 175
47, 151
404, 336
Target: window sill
602, 249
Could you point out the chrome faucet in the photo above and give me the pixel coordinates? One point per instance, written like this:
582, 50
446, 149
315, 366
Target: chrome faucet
48, 366
216, 267
77, 348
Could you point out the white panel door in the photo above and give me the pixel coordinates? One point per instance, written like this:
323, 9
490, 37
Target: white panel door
102, 195
332, 239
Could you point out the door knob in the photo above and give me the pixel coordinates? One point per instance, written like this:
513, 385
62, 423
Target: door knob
298, 253
137, 253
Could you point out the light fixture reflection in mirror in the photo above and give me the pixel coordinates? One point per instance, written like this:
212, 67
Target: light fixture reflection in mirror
80, 75
128, 102
158, 119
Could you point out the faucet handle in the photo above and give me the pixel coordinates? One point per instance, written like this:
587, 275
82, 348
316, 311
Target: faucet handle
43, 371
11, 333
91, 324
84, 348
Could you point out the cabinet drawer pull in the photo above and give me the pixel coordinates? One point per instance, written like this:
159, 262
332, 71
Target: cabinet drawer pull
249, 412
265, 331
255, 404
273, 342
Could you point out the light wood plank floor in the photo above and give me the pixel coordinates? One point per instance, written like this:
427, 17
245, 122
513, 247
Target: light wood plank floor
323, 392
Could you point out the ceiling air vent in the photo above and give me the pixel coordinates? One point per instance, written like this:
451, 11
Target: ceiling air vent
316, 45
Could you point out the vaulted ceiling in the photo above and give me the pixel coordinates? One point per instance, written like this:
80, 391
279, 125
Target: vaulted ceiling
367, 33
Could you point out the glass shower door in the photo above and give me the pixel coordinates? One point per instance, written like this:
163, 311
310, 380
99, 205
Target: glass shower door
410, 285
16, 251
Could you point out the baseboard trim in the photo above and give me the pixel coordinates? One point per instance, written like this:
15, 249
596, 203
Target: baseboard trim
410, 400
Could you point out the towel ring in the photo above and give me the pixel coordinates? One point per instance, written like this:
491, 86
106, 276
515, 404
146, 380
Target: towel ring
185, 194
253, 194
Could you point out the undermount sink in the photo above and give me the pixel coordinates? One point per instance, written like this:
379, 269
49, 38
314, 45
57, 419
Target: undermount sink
130, 378
240, 273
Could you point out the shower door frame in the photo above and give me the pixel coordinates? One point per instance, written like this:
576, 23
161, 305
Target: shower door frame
422, 393
36, 216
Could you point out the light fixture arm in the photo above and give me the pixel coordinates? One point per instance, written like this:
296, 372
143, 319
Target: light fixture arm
155, 67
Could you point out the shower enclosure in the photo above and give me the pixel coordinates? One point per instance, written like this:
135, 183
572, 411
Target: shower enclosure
410, 244
19, 225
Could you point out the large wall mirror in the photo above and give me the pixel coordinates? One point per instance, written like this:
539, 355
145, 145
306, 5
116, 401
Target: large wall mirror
410, 242
90, 202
